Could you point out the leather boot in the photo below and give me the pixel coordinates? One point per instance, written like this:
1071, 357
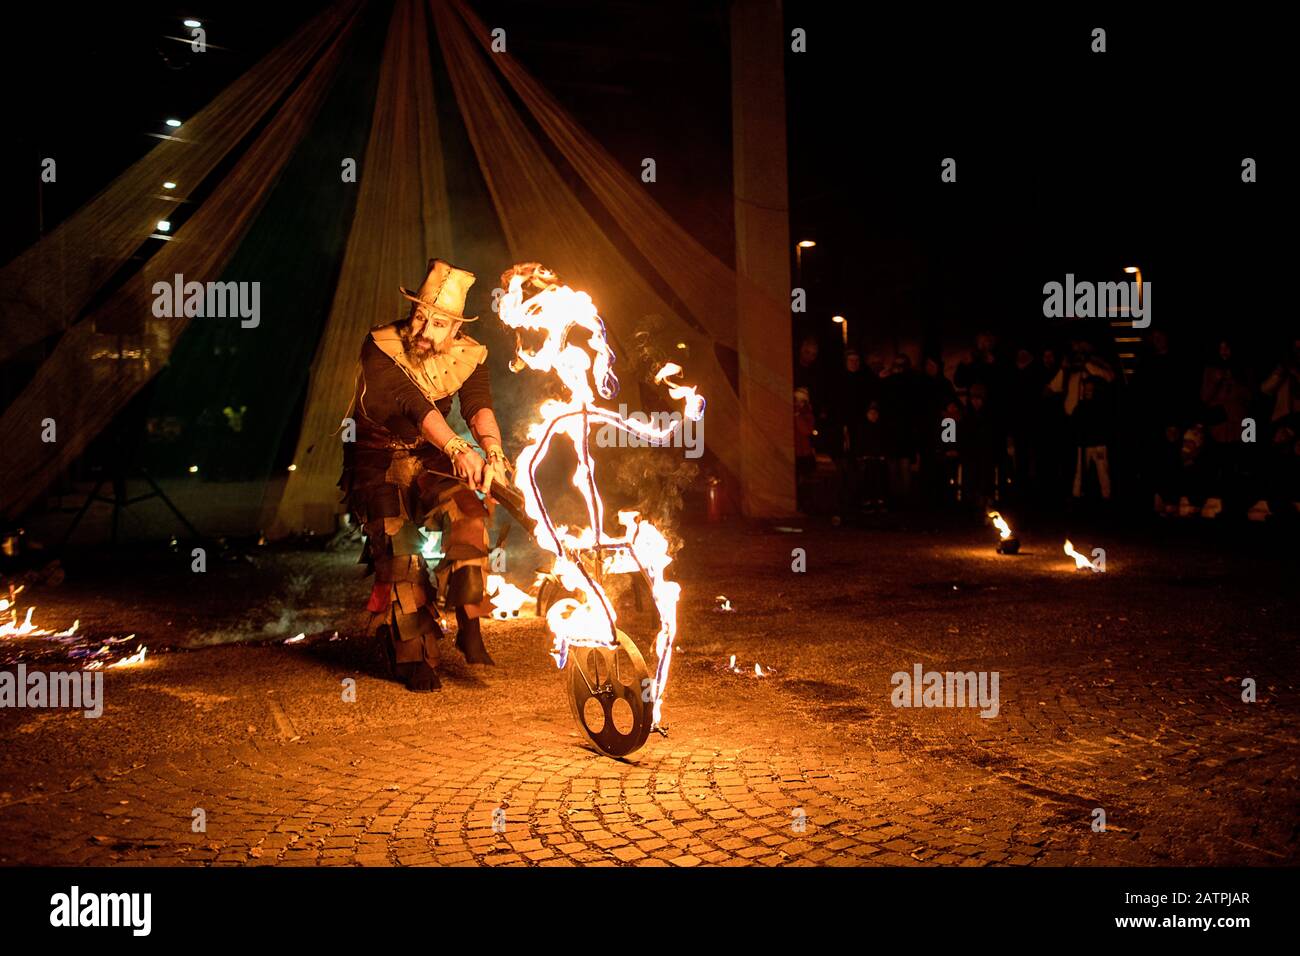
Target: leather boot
422, 678
385, 637
469, 639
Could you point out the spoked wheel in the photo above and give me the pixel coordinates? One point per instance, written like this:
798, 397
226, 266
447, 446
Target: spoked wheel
605, 687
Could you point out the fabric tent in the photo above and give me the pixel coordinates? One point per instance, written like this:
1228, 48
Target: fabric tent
91, 376
403, 214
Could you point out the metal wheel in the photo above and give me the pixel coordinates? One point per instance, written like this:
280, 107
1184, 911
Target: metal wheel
606, 686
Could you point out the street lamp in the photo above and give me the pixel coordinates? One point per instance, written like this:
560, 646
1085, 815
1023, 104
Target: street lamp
843, 323
798, 257
1137, 272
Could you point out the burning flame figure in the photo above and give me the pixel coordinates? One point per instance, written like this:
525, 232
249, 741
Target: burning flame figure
541, 310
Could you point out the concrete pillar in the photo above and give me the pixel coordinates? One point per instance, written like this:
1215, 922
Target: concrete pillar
758, 45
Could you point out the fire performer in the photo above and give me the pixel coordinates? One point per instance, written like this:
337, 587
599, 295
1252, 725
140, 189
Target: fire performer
409, 372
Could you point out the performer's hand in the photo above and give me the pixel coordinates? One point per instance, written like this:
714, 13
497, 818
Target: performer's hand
470, 467
494, 470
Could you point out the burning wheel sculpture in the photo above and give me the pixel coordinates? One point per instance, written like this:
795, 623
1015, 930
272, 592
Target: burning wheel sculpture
615, 701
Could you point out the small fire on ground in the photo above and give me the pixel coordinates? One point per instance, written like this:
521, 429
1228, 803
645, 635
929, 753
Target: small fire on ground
1080, 561
93, 653
758, 670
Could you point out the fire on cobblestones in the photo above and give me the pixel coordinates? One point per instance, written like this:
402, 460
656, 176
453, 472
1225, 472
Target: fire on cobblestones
1081, 561
68, 644
1008, 543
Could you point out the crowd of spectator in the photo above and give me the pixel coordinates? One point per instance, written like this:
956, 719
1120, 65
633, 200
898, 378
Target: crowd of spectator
1051, 428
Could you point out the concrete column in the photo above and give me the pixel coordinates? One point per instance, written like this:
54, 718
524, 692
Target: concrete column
758, 45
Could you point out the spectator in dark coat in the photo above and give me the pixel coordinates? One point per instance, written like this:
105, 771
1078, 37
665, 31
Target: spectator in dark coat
900, 405
977, 440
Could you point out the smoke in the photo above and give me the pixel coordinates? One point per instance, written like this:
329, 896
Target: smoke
650, 480
284, 615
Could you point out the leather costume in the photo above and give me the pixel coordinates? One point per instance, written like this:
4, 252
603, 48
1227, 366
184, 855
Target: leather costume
389, 487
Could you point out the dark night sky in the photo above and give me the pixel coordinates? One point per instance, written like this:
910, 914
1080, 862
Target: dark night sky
1068, 161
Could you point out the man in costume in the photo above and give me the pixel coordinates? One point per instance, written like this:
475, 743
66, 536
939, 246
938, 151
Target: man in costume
397, 475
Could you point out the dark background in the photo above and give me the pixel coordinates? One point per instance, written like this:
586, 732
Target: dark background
1068, 161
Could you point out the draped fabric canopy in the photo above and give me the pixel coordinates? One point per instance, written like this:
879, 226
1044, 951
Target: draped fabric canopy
45, 288
90, 376
541, 214
403, 216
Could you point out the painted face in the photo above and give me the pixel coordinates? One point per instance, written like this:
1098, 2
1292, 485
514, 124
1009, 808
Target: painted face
430, 332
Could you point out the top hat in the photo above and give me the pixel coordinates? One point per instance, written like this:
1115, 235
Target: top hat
443, 290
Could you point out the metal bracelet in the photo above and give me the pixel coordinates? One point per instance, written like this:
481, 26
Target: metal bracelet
456, 446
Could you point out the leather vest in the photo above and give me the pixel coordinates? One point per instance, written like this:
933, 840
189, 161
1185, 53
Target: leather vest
442, 373
438, 377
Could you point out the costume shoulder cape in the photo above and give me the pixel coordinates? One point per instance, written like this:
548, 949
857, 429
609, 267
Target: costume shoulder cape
441, 374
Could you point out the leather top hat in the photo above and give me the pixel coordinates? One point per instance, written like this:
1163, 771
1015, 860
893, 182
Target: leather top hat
443, 290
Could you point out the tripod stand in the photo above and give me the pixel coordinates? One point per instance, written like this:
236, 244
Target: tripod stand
115, 472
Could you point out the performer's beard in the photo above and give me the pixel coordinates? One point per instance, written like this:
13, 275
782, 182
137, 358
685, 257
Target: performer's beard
418, 348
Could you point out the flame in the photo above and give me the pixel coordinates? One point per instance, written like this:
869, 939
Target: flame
693, 402
583, 556
12, 628
507, 600
758, 668
1080, 561
1000, 523
7, 603
136, 658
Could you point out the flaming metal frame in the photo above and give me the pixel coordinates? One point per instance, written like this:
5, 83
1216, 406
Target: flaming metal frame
582, 561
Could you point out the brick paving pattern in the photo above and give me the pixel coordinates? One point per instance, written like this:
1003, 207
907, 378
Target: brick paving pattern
811, 766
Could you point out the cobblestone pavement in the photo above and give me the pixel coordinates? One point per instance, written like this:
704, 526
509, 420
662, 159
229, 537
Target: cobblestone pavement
1119, 691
